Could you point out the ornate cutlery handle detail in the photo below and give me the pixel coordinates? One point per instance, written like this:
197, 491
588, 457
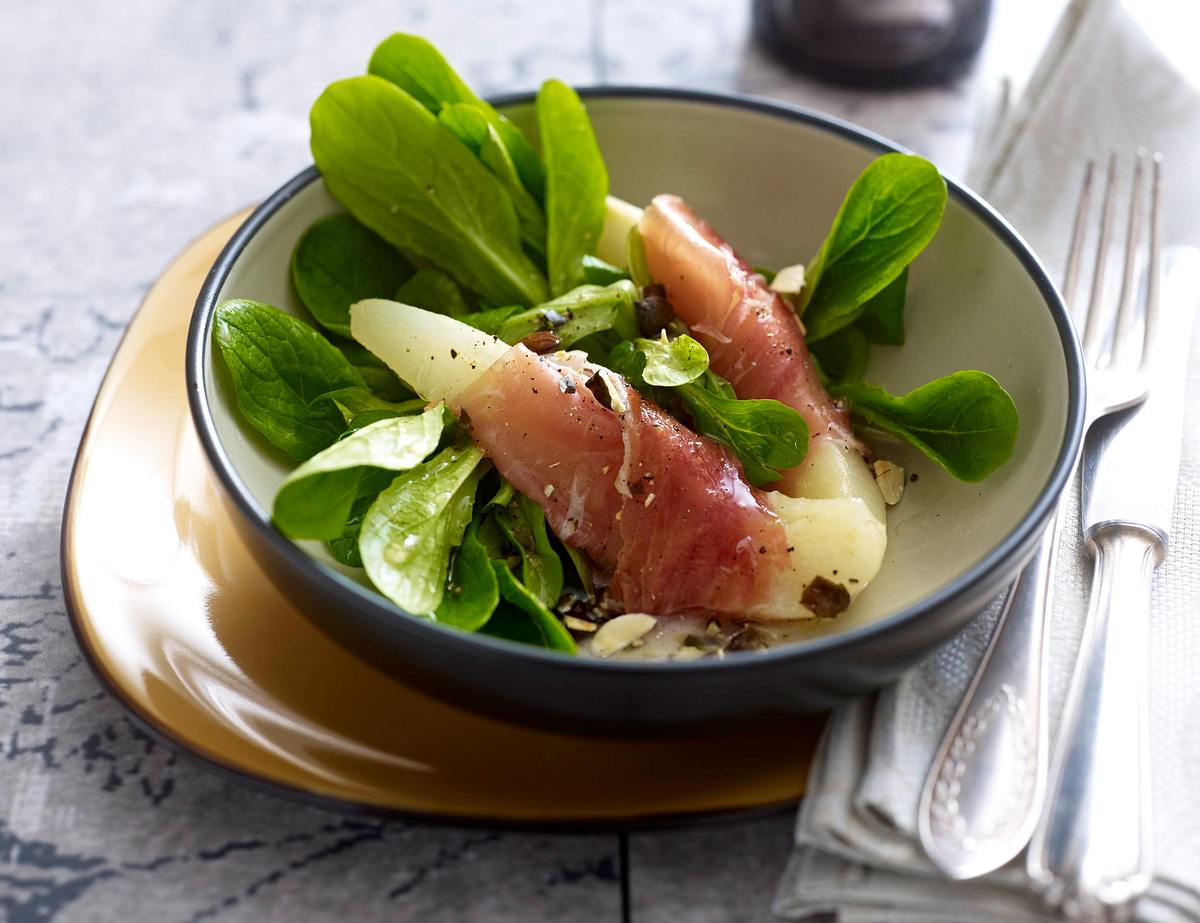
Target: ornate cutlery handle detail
984, 790
1091, 854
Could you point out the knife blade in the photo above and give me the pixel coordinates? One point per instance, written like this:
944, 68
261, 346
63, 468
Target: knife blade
1130, 467
1092, 852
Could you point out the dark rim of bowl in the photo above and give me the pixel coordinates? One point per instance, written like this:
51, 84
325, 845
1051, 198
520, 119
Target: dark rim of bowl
377, 607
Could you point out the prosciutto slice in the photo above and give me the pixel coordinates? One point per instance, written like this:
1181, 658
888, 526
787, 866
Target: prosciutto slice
665, 512
753, 338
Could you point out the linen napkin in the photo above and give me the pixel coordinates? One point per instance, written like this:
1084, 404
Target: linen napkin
1115, 76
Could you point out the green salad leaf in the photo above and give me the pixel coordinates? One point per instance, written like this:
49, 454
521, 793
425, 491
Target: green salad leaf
315, 499
842, 356
635, 256
541, 568
671, 363
547, 629
467, 121
966, 422
521, 615
472, 592
513, 624
416, 66
582, 570
576, 184
766, 436
281, 367
344, 548
354, 402
882, 318
410, 530
373, 370
470, 125
495, 156
433, 290
337, 262
598, 272
579, 313
890, 213
491, 320
404, 175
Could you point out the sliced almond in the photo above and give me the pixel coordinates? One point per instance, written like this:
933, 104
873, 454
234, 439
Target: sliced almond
619, 633
789, 280
578, 624
890, 479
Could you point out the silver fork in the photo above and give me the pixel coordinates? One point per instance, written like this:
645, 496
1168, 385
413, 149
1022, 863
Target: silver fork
1091, 853
985, 788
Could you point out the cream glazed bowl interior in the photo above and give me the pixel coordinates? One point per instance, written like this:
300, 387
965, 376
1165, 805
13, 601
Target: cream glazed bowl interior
769, 178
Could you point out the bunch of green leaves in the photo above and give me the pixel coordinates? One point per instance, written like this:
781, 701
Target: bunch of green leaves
859, 274
854, 297
767, 437
424, 163
390, 487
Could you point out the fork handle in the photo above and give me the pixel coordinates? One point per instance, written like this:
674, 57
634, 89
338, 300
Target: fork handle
984, 790
1091, 853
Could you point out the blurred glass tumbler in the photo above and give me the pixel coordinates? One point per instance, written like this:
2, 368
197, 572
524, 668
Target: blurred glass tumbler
873, 43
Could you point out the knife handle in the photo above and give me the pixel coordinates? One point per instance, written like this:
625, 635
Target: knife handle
1091, 852
984, 790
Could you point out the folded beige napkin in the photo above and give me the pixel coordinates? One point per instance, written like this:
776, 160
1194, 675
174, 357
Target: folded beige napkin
1117, 75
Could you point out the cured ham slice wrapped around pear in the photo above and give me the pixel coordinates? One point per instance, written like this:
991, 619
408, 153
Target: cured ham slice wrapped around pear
664, 514
754, 340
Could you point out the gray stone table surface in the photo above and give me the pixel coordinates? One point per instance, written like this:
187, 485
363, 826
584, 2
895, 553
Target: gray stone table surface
127, 128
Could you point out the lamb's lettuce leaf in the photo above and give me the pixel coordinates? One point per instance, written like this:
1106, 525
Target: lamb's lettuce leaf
890, 213
337, 262
581, 312
576, 184
404, 175
767, 436
472, 591
966, 422
671, 363
598, 272
316, 498
411, 529
433, 290
547, 629
541, 568
414, 65
882, 317
281, 368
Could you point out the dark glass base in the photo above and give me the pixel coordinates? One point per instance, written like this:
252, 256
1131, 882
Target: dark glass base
833, 41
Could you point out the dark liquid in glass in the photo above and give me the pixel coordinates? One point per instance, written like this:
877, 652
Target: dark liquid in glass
874, 43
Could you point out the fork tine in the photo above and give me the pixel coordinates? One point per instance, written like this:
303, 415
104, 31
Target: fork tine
1154, 269
1075, 256
1123, 324
1094, 334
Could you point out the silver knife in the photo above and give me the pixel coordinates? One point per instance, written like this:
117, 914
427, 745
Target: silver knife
1091, 852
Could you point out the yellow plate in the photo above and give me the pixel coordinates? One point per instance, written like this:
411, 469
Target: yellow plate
183, 626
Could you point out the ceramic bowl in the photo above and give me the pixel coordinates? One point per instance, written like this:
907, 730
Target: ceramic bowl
770, 179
